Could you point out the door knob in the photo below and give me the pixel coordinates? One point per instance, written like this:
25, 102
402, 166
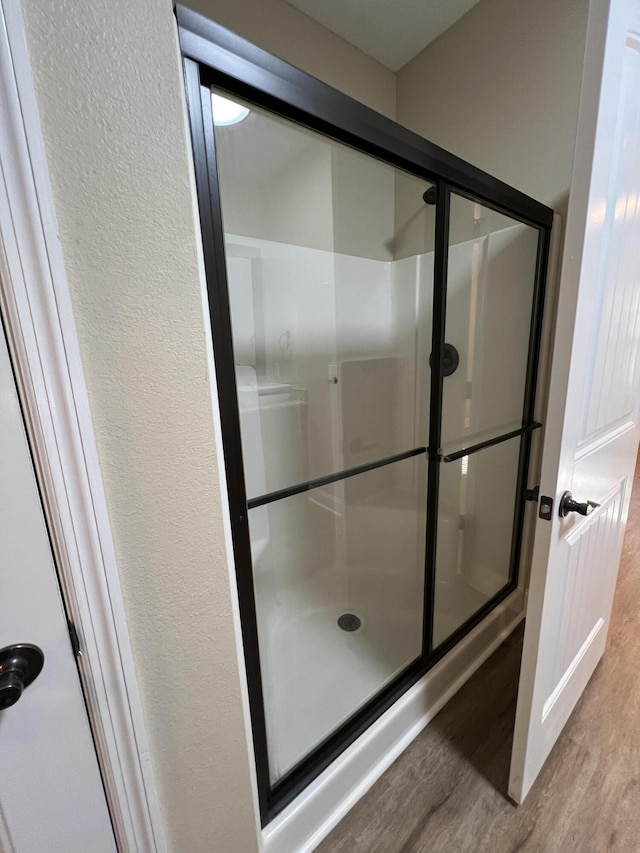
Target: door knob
567, 505
19, 666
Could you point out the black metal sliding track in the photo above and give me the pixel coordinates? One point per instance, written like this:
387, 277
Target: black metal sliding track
214, 56
242, 68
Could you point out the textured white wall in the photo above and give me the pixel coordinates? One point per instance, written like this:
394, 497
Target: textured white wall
109, 89
501, 89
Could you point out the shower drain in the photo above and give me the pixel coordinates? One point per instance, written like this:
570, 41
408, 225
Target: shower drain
349, 622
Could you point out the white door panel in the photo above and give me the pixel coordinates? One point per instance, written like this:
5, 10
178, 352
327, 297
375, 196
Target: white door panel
591, 437
51, 794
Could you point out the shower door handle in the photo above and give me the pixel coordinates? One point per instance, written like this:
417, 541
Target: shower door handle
567, 505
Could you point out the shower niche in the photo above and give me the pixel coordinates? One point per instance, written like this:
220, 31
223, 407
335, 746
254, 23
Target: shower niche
376, 306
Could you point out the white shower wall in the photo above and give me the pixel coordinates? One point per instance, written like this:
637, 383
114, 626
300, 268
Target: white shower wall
316, 317
367, 324
333, 371
313, 311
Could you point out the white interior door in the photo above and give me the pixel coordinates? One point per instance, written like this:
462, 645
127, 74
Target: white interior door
51, 794
591, 437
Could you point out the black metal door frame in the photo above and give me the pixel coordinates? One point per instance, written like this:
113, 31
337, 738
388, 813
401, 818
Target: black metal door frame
214, 56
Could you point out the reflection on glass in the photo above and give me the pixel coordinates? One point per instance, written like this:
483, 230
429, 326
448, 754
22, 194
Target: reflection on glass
490, 284
352, 549
475, 527
330, 272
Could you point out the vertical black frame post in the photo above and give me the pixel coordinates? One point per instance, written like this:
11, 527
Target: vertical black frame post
206, 175
535, 338
215, 56
438, 328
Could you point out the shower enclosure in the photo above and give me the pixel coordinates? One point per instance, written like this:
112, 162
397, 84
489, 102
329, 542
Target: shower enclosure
375, 306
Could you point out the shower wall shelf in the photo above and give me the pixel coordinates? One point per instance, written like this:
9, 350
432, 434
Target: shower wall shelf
377, 495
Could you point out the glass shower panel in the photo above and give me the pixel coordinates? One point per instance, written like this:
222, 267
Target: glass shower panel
339, 582
476, 511
361, 554
490, 286
330, 275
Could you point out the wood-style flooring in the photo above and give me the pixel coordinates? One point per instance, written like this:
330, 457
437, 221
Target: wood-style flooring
447, 792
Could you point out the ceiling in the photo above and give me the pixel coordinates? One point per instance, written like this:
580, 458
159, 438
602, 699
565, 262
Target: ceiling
391, 31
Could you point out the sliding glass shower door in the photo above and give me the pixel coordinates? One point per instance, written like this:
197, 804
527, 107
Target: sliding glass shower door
329, 256
375, 307
492, 262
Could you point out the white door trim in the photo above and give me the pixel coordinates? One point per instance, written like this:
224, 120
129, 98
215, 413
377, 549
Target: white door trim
36, 308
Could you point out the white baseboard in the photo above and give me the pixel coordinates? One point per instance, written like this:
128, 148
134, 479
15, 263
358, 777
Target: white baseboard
312, 815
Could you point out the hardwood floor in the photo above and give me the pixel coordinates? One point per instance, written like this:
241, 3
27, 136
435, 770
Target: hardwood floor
446, 792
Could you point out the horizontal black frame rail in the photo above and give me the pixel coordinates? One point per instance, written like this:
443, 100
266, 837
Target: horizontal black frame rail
332, 478
490, 442
213, 56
